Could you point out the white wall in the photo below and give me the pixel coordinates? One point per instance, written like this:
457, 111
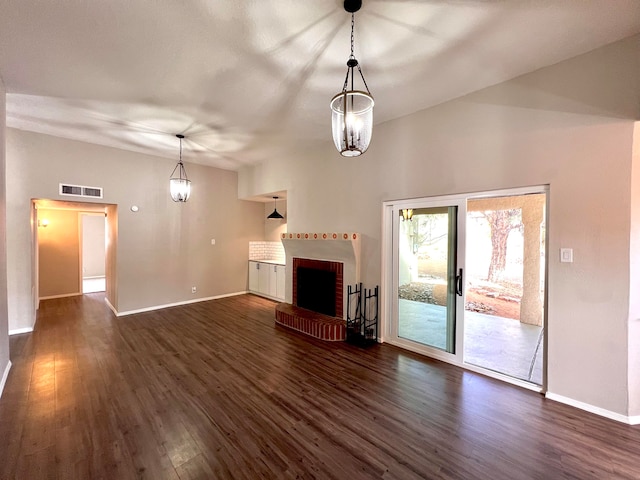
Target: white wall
569, 126
4, 324
162, 250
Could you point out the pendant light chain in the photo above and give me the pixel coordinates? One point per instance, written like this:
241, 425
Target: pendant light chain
181, 168
352, 24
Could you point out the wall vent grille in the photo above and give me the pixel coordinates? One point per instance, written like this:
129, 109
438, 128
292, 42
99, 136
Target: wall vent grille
80, 191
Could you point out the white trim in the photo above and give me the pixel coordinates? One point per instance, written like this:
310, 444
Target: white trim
593, 409
534, 387
266, 295
18, 331
64, 295
113, 309
176, 304
5, 375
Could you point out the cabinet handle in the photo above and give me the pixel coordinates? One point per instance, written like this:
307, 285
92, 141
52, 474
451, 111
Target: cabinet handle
275, 269
257, 266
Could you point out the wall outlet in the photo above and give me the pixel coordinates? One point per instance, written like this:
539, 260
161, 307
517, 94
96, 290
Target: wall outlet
193, 289
566, 255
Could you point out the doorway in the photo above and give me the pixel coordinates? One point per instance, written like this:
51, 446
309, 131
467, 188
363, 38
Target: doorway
93, 241
465, 281
60, 267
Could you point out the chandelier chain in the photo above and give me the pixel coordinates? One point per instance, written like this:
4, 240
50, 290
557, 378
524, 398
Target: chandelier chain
352, 24
363, 80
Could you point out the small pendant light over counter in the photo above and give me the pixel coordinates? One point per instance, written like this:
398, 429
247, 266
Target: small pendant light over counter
180, 185
352, 110
275, 213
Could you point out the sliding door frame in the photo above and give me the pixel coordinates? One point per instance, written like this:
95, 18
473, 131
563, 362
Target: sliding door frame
389, 281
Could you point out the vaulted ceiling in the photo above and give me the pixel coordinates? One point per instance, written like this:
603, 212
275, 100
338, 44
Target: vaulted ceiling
238, 76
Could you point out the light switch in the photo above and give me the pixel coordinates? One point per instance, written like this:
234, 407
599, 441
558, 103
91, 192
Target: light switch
566, 255
213, 241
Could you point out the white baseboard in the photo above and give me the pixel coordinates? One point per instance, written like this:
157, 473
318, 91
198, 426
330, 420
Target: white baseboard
18, 331
5, 375
50, 297
113, 309
176, 304
618, 417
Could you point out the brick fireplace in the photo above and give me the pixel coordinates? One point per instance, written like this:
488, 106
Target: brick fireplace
327, 263
335, 268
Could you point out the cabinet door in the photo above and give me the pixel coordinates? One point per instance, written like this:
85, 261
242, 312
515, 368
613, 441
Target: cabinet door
273, 280
280, 278
254, 281
263, 276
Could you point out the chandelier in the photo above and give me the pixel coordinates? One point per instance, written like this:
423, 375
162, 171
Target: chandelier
351, 109
180, 185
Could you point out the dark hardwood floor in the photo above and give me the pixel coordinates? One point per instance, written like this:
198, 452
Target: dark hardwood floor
216, 390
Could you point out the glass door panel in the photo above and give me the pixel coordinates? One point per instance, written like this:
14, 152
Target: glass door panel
426, 276
504, 311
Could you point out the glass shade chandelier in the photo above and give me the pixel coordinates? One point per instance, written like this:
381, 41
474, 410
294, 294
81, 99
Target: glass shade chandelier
351, 109
275, 213
180, 185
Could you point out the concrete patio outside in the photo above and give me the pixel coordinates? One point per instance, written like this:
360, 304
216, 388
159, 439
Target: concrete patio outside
500, 344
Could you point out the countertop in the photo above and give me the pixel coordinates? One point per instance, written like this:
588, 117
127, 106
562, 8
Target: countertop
272, 262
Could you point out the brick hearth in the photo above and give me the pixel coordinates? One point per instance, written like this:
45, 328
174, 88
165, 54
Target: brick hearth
315, 324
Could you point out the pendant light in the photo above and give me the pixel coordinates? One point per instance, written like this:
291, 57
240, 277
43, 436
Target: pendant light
275, 213
351, 109
180, 186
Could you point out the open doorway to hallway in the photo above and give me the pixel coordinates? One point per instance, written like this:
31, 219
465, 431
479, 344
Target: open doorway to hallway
74, 249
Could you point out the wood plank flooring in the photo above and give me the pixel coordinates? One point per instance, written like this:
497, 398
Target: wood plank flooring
216, 390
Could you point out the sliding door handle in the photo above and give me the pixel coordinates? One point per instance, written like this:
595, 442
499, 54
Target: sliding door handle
459, 282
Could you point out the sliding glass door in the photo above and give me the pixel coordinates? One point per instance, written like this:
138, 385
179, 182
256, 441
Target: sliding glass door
465, 280
427, 246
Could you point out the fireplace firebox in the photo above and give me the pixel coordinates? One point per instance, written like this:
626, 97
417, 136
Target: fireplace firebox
318, 286
317, 290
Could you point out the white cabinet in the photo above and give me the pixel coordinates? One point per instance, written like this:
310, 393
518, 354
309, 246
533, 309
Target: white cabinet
267, 279
263, 277
280, 269
254, 281
273, 280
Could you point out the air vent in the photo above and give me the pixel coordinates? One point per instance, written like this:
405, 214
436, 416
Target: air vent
80, 191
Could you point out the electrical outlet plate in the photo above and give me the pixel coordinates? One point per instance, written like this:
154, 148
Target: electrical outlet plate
193, 289
566, 255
